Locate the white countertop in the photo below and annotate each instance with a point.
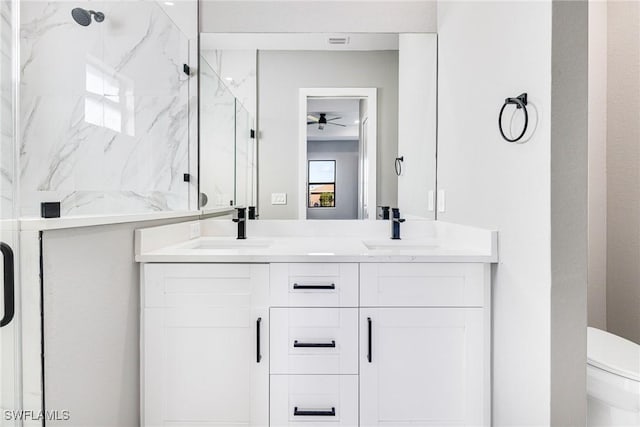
(213, 240)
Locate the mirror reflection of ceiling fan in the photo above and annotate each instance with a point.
(322, 121)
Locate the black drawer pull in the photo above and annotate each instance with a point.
(301, 413)
(258, 354)
(331, 344)
(370, 353)
(331, 286)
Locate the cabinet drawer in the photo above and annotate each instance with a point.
(193, 286)
(314, 285)
(310, 400)
(423, 285)
(314, 341)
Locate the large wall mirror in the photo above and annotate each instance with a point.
(319, 125)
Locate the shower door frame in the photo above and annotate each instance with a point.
(11, 372)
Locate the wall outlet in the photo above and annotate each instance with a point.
(278, 198)
(194, 230)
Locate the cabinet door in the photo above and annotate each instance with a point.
(205, 345)
(422, 367)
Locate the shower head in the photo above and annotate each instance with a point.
(83, 16)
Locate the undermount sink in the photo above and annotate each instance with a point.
(401, 245)
(230, 243)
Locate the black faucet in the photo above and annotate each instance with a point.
(252, 212)
(395, 224)
(241, 219)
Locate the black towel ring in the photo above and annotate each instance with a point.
(398, 165)
(520, 103)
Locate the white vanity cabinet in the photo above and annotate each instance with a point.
(205, 345)
(425, 344)
(341, 344)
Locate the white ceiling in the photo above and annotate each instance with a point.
(298, 41)
(347, 109)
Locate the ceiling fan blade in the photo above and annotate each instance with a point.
(337, 124)
(312, 123)
(335, 118)
(310, 117)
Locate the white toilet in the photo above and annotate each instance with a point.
(613, 380)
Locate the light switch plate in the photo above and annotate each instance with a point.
(431, 201)
(441, 201)
(278, 198)
(194, 230)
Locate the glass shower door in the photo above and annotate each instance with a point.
(217, 140)
(10, 330)
(242, 156)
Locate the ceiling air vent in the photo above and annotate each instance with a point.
(338, 40)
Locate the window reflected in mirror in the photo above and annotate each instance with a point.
(322, 184)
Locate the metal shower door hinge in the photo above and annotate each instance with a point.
(186, 69)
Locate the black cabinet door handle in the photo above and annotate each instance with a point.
(297, 286)
(9, 284)
(302, 413)
(369, 353)
(331, 344)
(258, 355)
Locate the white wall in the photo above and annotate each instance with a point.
(623, 169)
(280, 76)
(489, 51)
(390, 16)
(297, 41)
(417, 104)
(597, 297)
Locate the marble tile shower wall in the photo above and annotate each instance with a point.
(241, 66)
(7, 158)
(104, 109)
